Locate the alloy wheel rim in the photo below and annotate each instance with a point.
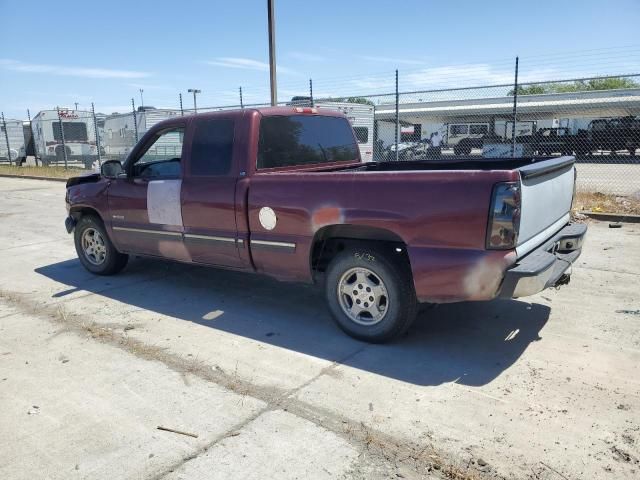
(363, 296)
(93, 246)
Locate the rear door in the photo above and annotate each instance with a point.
(144, 205)
(208, 193)
(546, 195)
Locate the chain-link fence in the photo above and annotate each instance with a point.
(597, 120)
(594, 119)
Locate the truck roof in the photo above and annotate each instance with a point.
(265, 111)
(270, 111)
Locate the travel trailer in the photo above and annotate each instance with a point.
(77, 130)
(119, 131)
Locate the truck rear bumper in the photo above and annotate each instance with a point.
(547, 266)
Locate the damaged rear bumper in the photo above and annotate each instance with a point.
(547, 266)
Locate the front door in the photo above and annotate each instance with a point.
(146, 216)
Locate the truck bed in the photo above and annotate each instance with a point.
(534, 163)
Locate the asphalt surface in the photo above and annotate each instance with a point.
(541, 388)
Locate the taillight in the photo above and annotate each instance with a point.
(504, 216)
(306, 110)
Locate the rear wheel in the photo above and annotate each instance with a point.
(370, 294)
(94, 248)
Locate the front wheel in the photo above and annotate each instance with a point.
(370, 294)
(94, 248)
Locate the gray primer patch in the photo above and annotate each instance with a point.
(163, 202)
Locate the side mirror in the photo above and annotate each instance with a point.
(111, 168)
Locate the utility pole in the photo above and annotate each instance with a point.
(141, 98)
(181, 109)
(76, 104)
(195, 91)
(271, 18)
(241, 102)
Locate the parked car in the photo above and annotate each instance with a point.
(283, 192)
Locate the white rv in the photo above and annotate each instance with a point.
(79, 136)
(119, 135)
(16, 141)
(361, 117)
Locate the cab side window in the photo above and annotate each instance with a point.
(162, 159)
(212, 147)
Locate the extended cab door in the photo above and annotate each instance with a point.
(144, 204)
(208, 192)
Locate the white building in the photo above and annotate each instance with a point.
(572, 110)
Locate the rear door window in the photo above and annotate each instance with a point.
(212, 147)
(288, 140)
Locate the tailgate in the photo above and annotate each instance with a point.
(546, 195)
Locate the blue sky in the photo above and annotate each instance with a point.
(58, 53)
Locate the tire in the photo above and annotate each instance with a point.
(104, 259)
(359, 269)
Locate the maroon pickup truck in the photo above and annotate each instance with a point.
(283, 192)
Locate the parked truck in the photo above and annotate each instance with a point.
(615, 134)
(283, 191)
(548, 141)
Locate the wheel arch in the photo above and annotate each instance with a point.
(79, 211)
(332, 239)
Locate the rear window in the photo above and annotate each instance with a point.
(305, 139)
(212, 147)
(362, 134)
(73, 131)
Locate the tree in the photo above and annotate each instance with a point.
(361, 100)
(613, 83)
(529, 90)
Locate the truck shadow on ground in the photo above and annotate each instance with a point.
(471, 343)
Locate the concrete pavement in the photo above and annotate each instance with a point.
(518, 389)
